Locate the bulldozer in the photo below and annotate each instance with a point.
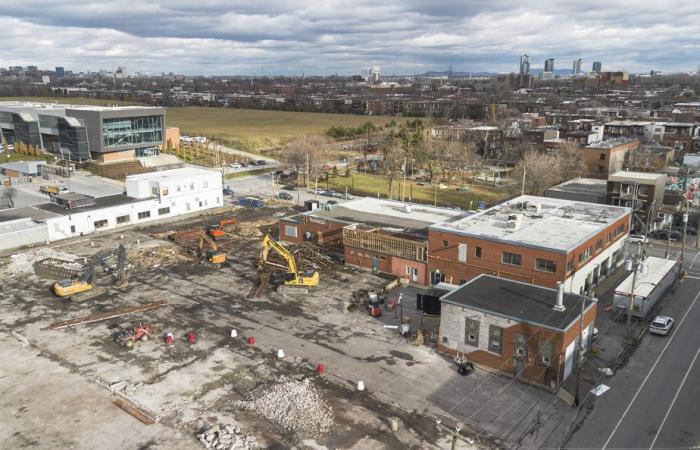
(82, 287)
(290, 281)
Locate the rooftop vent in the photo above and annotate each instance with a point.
(515, 221)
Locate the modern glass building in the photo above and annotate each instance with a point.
(79, 133)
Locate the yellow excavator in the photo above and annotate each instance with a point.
(82, 287)
(290, 281)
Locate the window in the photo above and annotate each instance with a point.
(599, 245)
(165, 191)
(511, 258)
(462, 281)
(462, 253)
(570, 266)
(445, 244)
(382, 257)
(545, 265)
(602, 156)
(144, 214)
(584, 255)
(163, 211)
(520, 345)
(123, 219)
(72, 228)
(290, 231)
(100, 223)
(218, 201)
(472, 332)
(206, 184)
(546, 353)
(495, 338)
(477, 252)
(191, 186)
(178, 188)
(125, 132)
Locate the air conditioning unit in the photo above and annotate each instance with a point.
(514, 221)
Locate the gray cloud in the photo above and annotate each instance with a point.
(403, 36)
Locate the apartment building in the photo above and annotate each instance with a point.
(680, 136)
(603, 158)
(536, 240)
(642, 190)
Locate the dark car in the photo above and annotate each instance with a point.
(285, 196)
(228, 191)
(692, 231)
(261, 162)
(330, 193)
(289, 187)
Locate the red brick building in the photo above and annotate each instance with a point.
(536, 240)
(604, 158)
(525, 331)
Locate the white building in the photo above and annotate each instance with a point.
(148, 198)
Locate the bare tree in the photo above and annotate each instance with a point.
(570, 161)
(8, 195)
(394, 157)
(540, 171)
(312, 149)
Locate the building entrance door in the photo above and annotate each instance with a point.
(375, 264)
(519, 367)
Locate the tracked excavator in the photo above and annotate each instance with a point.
(290, 281)
(82, 287)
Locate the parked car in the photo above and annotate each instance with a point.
(317, 191)
(331, 202)
(692, 231)
(228, 191)
(260, 162)
(661, 325)
(330, 193)
(236, 166)
(663, 235)
(285, 196)
(289, 187)
(349, 196)
(637, 239)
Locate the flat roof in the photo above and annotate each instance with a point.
(656, 270)
(582, 186)
(48, 106)
(26, 212)
(518, 301)
(100, 202)
(625, 175)
(22, 166)
(610, 143)
(388, 213)
(544, 222)
(171, 174)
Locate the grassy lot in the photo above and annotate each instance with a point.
(253, 129)
(14, 157)
(370, 185)
(245, 173)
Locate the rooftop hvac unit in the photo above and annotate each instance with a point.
(515, 221)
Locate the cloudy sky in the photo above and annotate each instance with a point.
(344, 36)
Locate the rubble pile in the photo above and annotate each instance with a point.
(295, 405)
(154, 256)
(226, 437)
(23, 263)
(307, 255)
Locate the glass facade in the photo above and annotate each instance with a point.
(132, 131)
(73, 140)
(26, 130)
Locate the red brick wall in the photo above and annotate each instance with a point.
(329, 234)
(390, 264)
(445, 259)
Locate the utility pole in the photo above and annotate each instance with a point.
(579, 363)
(522, 188)
(685, 231)
(635, 268)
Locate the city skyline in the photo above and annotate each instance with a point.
(218, 38)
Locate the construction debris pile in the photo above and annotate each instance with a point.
(295, 405)
(307, 256)
(154, 256)
(23, 263)
(252, 229)
(226, 437)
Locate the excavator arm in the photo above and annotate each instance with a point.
(270, 244)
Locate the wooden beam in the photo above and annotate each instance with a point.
(134, 410)
(104, 316)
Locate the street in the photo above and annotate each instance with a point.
(263, 186)
(653, 401)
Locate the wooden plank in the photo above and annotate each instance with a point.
(104, 316)
(135, 411)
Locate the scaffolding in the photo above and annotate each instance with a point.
(375, 240)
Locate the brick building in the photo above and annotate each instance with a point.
(603, 158)
(525, 331)
(384, 236)
(679, 135)
(536, 240)
(643, 190)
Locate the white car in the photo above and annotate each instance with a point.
(661, 325)
(236, 166)
(637, 239)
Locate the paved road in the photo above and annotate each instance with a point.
(654, 402)
(262, 185)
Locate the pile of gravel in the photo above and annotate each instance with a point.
(295, 405)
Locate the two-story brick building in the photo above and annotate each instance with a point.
(604, 158)
(536, 240)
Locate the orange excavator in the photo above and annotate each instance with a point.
(218, 230)
(203, 244)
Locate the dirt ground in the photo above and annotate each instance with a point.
(56, 386)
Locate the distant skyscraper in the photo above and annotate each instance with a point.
(549, 65)
(576, 71)
(597, 67)
(60, 72)
(524, 65)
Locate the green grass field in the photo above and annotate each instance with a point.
(248, 129)
(14, 157)
(253, 129)
(370, 185)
